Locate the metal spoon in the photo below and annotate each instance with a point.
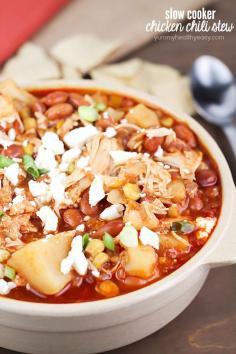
(214, 92)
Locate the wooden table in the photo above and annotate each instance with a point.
(208, 325)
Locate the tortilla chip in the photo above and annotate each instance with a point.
(176, 94)
(68, 72)
(125, 70)
(30, 64)
(83, 51)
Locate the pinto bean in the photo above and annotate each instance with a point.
(59, 111)
(77, 100)
(206, 178)
(196, 204)
(13, 151)
(86, 208)
(55, 98)
(112, 227)
(151, 144)
(72, 217)
(39, 107)
(185, 134)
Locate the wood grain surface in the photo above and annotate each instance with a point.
(208, 325)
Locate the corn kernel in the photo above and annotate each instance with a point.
(167, 122)
(60, 124)
(94, 247)
(173, 211)
(71, 167)
(29, 149)
(4, 255)
(100, 259)
(25, 113)
(2, 271)
(107, 288)
(132, 191)
(29, 123)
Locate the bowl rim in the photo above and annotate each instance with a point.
(102, 306)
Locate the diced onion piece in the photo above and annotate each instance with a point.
(128, 236)
(88, 113)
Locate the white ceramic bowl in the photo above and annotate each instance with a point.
(107, 324)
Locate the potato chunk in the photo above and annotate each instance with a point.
(39, 263)
(177, 190)
(140, 261)
(142, 116)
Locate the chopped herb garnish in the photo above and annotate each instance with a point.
(1, 213)
(31, 168)
(5, 161)
(100, 106)
(9, 272)
(183, 226)
(108, 241)
(85, 240)
(88, 113)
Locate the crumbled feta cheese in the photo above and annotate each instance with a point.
(57, 187)
(114, 211)
(5, 142)
(146, 155)
(45, 159)
(68, 157)
(158, 132)
(206, 224)
(96, 190)
(123, 121)
(80, 228)
(12, 173)
(159, 153)
(18, 199)
(79, 136)
(143, 195)
(48, 217)
(6, 287)
(148, 237)
(82, 162)
(128, 237)
(76, 258)
(19, 191)
(120, 156)
(40, 190)
(52, 142)
(110, 132)
(12, 134)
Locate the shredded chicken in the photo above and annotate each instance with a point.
(99, 153)
(187, 162)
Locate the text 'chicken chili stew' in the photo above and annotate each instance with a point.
(100, 194)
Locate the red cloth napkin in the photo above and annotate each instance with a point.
(19, 19)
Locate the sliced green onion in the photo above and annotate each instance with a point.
(100, 106)
(9, 272)
(183, 226)
(5, 161)
(31, 168)
(109, 242)
(88, 113)
(1, 213)
(85, 240)
(42, 171)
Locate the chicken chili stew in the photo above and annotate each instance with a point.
(100, 194)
